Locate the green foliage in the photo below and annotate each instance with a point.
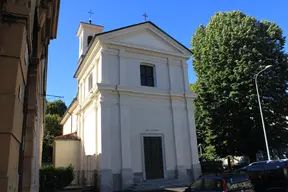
(56, 107)
(52, 129)
(203, 133)
(54, 111)
(209, 153)
(227, 53)
(52, 178)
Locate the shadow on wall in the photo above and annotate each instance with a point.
(68, 152)
(88, 175)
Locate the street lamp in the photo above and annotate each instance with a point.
(260, 108)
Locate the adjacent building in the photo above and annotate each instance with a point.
(26, 28)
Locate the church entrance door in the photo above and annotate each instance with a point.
(153, 157)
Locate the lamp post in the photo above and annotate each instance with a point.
(200, 149)
(260, 108)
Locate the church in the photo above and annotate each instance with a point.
(133, 117)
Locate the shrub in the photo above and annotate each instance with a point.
(54, 178)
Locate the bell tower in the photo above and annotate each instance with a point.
(85, 33)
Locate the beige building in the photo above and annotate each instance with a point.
(26, 27)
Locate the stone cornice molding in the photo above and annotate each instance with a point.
(125, 92)
(184, 64)
(167, 53)
(143, 91)
(151, 28)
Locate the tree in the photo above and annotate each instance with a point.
(204, 136)
(54, 111)
(56, 107)
(227, 53)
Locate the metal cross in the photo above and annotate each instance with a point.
(90, 13)
(145, 16)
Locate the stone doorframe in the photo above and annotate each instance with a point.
(142, 135)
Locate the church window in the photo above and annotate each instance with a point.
(89, 39)
(147, 75)
(90, 81)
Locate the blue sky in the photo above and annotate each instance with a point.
(178, 18)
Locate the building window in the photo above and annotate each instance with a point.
(90, 81)
(147, 75)
(89, 39)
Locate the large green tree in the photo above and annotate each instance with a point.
(227, 53)
(54, 112)
(56, 107)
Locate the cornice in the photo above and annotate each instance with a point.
(162, 52)
(144, 91)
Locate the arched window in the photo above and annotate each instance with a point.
(89, 39)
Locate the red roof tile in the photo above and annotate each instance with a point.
(70, 136)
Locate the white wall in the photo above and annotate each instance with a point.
(70, 156)
(89, 130)
(113, 59)
(146, 116)
(150, 116)
(67, 126)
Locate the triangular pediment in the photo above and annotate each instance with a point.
(146, 37)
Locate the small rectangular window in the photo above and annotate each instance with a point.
(90, 81)
(147, 75)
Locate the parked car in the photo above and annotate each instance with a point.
(238, 165)
(224, 182)
(277, 189)
(266, 175)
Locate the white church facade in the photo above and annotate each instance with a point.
(133, 114)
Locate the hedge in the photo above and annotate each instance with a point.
(55, 178)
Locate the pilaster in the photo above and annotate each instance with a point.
(31, 125)
(178, 138)
(103, 124)
(171, 76)
(177, 128)
(126, 171)
(185, 76)
(95, 158)
(104, 146)
(122, 68)
(95, 71)
(195, 164)
(82, 140)
(104, 65)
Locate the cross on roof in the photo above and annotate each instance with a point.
(90, 13)
(145, 16)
